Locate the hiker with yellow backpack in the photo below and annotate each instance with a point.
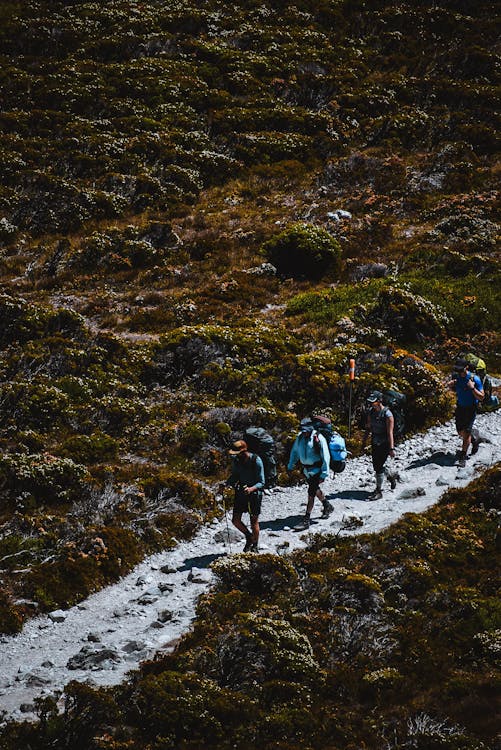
(469, 392)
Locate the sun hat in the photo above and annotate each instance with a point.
(239, 446)
(460, 365)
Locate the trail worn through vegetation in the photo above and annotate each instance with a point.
(110, 633)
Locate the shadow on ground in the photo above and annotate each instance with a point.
(203, 561)
(440, 458)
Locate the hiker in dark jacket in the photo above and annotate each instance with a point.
(247, 477)
(379, 426)
(469, 391)
(310, 449)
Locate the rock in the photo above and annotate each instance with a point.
(200, 575)
(165, 587)
(225, 535)
(121, 611)
(442, 482)
(89, 657)
(143, 581)
(27, 708)
(165, 615)
(168, 569)
(411, 493)
(147, 599)
(94, 638)
(35, 680)
(47, 664)
(156, 625)
(58, 615)
(131, 646)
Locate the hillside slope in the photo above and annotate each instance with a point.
(205, 211)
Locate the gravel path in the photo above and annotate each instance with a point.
(110, 633)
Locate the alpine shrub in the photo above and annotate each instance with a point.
(303, 251)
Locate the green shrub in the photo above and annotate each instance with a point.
(303, 251)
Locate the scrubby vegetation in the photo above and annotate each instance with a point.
(205, 210)
(388, 640)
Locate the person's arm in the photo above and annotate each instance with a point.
(294, 456)
(451, 384)
(475, 385)
(390, 423)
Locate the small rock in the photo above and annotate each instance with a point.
(94, 638)
(156, 625)
(58, 615)
(147, 599)
(199, 575)
(27, 708)
(167, 569)
(442, 482)
(47, 664)
(163, 587)
(411, 493)
(131, 646)
(165, 615)
(90, 658)
(225, 535)
(35, 680)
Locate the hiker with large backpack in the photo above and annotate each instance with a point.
(469, 392)
(380, 424)
(477, 366)
(311, 450)
(247, 478)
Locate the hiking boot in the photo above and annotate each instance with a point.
(328, 508)
(304, 524)
(393, 481)
(376, 495)
(462, 460)
(253, 547)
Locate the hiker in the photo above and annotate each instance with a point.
(469, 391)
(310, 449)
(247, 477)
(380, 423)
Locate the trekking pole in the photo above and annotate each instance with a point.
(226, 519)
(352, 378)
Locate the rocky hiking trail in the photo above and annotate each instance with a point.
(111, 632)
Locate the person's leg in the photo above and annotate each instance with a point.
(379, 455)
(239, 507)
(254, 522)
(239, 524)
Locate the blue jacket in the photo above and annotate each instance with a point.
(465, 396)
(312, 460)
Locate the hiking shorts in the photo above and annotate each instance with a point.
(314, 483)
(250, 504)
(465, 416)
(380, 452)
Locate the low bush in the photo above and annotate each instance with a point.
(304, 251)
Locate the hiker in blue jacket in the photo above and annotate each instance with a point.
(469, 391)
(310, 449)
(247, 477)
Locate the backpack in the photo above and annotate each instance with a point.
(395, 401)
(477, 365)
(336, 443)
(261, 442)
